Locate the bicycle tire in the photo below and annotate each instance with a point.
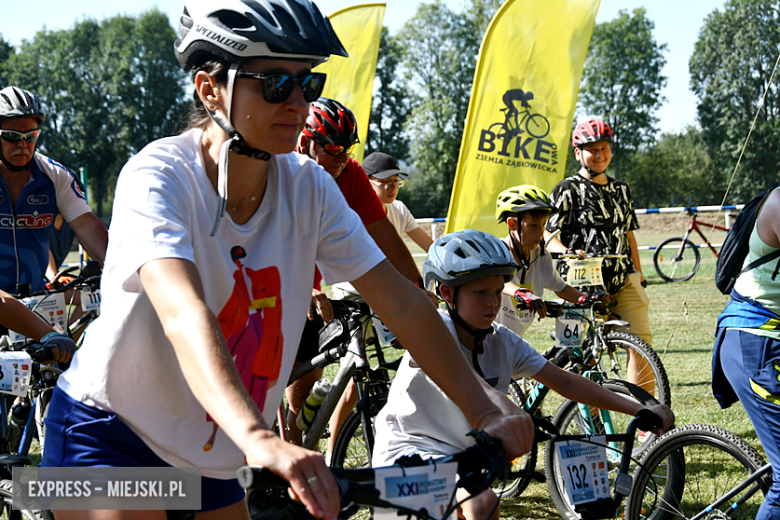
(693, 465)
(678, 266)
(617, 346)
(514, 488)
(8, 513)
(349, 450)
(568, 421)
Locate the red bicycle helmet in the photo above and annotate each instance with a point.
(591, 131)
(330, 122)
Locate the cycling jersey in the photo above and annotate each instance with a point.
(25, 228)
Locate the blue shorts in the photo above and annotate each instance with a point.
(78, 435)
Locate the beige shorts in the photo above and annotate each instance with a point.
(632, 305)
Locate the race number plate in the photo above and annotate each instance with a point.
(15, 369)
(585, 272)
(430, 487)
(570, 329)
(584, 469)
(90, 300)
(386, 338)
(51, 308)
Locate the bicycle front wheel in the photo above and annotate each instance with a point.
(8, 513)
(570, 421)
(689, 468)
(613, 357)
(513, 488)
(676, 260)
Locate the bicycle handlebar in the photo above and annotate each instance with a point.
(478, 467)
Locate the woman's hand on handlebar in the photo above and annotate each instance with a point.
(321, 304)
(310, 480)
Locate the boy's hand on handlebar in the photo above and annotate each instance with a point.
(310, 480)
(516, 431)
(61, 346)
(527, 300)
(667, 417)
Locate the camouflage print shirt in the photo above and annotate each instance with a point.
(595, 218)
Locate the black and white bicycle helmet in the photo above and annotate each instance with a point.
(235, 31)
(17, 102)
(466, 255)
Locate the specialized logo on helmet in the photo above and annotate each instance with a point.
(518, 140)
(222, 40)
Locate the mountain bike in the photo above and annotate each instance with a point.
(593, 351)
(16, 434)
(355, 337)
(682, 257)
(478, 467)
(699, 472)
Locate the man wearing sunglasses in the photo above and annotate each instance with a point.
(33, 191)
(329, 136)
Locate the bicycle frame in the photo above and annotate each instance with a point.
(694, 226)
(737, 489)
(354, 366)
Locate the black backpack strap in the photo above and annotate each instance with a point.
(761, 261)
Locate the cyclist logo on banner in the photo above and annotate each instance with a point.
(251, 322)
(519, 137)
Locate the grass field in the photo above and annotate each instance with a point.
(683, 317)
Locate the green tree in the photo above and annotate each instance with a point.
(440, 53)
(108, 89)
(677, 170)
(622, 80)
(730, 69)
(6, 50)
(390, 103)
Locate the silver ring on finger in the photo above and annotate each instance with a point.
(312, 480)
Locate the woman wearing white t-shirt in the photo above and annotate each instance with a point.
(205, 279)
(387, 178)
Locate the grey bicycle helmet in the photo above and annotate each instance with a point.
(466, 255)
(246, 29)
(17, 102)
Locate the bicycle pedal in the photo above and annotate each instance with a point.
(326, 434)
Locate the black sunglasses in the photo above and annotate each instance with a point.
(277, 88)
(12, 136)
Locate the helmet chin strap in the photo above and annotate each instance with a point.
(13, 168)
(479, 334)
(592, 172)
(235, 144)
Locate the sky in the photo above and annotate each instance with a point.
(677, 24)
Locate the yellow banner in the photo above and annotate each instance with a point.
(351, 80)
(518, 127)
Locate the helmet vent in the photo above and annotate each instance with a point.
(231, 21)
(460, 253)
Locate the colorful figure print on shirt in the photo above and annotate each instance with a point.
(251, 322)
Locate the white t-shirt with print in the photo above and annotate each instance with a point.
(541, 275)
(420, 418)
(400, 217)
(256, 278)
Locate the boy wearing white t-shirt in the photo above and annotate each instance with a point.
(525, 210)
(468, 269)
(387, 178)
